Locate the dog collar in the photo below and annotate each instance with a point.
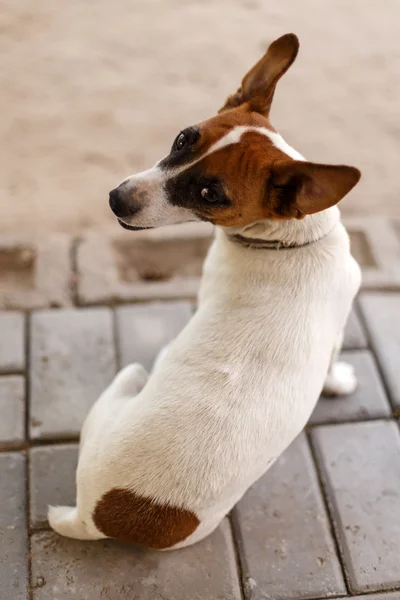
(259, 244)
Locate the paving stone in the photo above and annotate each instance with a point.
(12, 347)
(354, 335)
(283, 533)
(35, 273)
(144, 329)
(382, 316)
(369, 401)
(375, 246)
(64, 569)
(361, 469)
(12, 411)
(52, 480)
(72, 361)
(387, 596)
(13, 532)
(160, 264)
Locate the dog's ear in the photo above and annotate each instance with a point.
(298, 188)
(258, 86)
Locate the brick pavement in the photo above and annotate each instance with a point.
(323, 522)
(165, 264)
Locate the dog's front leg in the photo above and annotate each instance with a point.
(341, 379)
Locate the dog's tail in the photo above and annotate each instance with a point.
(66, 521)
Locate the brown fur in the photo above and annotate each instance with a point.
(245, 171)
(261, 181)
(128, 517)
(258, 85)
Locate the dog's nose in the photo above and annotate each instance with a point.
(118, 204)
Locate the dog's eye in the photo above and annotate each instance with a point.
(180, 142)
(210, 194)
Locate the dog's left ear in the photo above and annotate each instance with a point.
(258, 86)
(299, 188)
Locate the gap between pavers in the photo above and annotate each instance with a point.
(106, 569)
(369, 401)
(381, 312)
(360, 466)
(13, 528)
(283, 533)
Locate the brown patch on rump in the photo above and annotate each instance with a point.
(128, 517)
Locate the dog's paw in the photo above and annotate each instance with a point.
(341, 380)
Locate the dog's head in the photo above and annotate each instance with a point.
(234, 169)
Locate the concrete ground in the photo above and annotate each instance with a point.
(324, 522)
(91, 91)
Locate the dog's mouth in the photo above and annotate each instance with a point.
(131, 227)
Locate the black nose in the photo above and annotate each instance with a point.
(118, 205)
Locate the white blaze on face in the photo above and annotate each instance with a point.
(148, 187)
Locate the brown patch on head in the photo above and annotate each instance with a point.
(253, 180)
(129, 517)
(241, 170)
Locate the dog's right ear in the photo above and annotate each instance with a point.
(300, 188)
(258, 86)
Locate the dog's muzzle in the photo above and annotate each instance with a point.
(122, 205)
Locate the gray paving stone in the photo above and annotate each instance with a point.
(65, 569)
(143, 329)
(283, 533)
(361, 469)
(382, 316)
(387, 596)
(369, 401)
(72, 361)
(36, 272)
(155, 264)
(12, 411)
(377, 249)
(52, 480)
(12, 347)
(13, 532)
(354, 335)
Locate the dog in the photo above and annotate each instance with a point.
(164, 457)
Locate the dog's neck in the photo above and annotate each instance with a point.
(295, 233)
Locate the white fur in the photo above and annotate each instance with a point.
(236, 386)
(281, 144)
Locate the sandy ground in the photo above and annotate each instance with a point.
(92, 90)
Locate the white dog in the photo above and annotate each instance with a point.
(165, 457)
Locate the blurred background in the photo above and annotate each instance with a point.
(93, 90)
